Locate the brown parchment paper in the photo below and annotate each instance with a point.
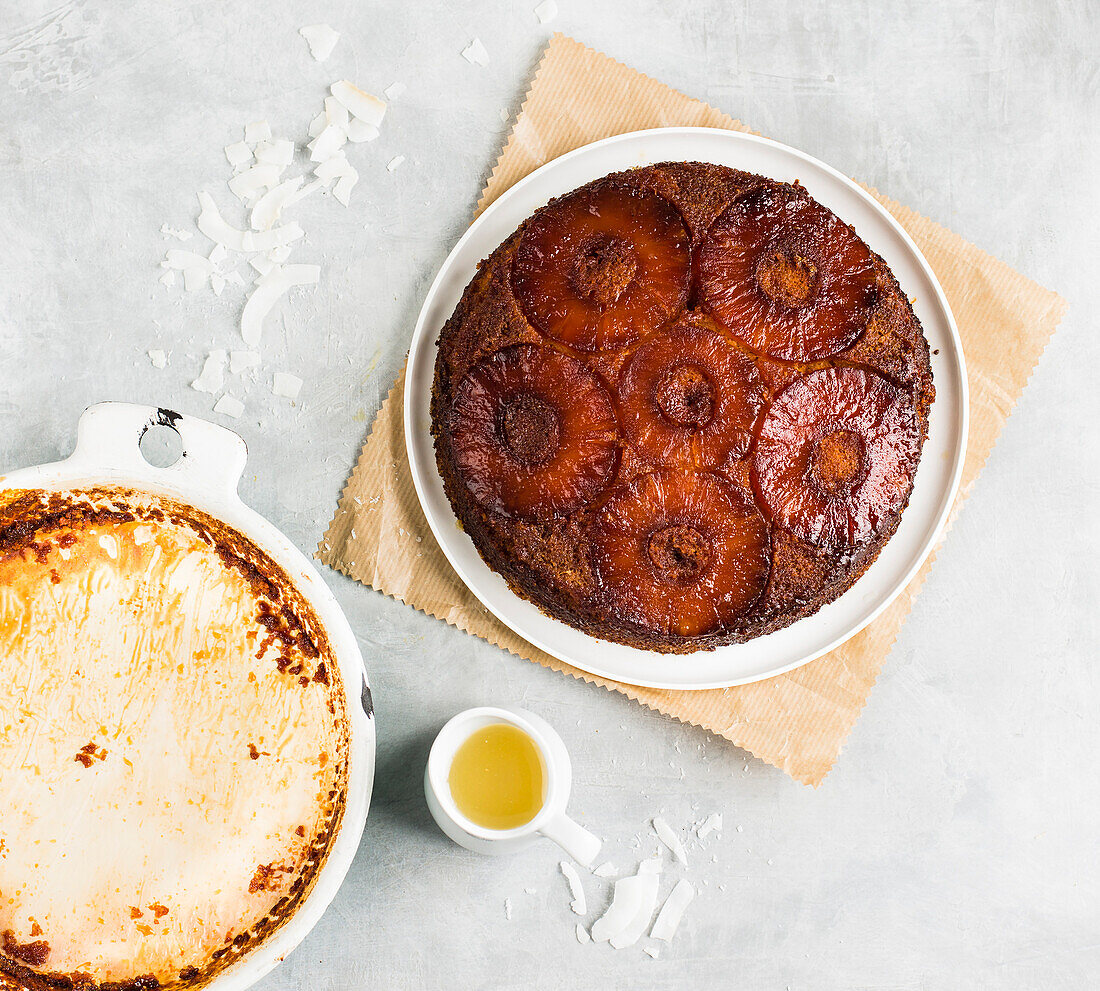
(797, 721)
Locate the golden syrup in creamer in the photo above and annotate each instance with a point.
(497, 777)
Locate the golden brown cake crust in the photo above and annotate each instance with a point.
(549, 559)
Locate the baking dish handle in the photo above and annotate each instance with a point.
(109, 434)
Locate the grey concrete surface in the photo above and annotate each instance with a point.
(955, 843)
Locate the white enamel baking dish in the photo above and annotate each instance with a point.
(206, 477)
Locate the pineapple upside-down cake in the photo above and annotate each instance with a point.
(681, 406)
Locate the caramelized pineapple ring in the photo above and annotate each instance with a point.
(602, 267)
(534, 433)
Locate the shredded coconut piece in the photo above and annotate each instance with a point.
(238, 153)
(631, 908)
(366, 107)
(234, 278)
(672, 911)
(158, 358)
(213, 371)
(394, 163)
(317, 125)
(169, 278)
(176, 232)
(210, 222)
(394, 90)
(504, 115)
(302, 193)
(273, 284)
(251, 181)
(195, 279)
(344, 185)
(604, 870)
(270, 205)
(582, 934)
(653, 951)
(508, 909)
(229, 406)
(359, 131)
(217, 283)
(321, 40)
(475, 53)
(336, 113)
(712, 824)
(327, 143)
(546, 11)
(288, 386)
(179, 259)
(578, 905)
(279, 152)
(239, 361)
(257, 131)
(669, 838)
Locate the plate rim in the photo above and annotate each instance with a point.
(422, 341)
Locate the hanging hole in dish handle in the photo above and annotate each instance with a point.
(110, 435)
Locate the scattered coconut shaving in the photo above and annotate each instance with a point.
(631, 908)
(227, 405)
(712, 824)
(360, 131)
(668, 919)
(195, 279)
(507, 903)
(582, 934)
(286, 385)
(367, 108)
(210, 222)
(277, 281)
(578, 905)
(270, 205)
(240, 361)
(321, 40)
(327, 143)
(212, 374)
(394, 90)
(604, 870)
(238, 154)
(158, 358)
(176, 232)
(475, 53)
(653, 951)
(667, 835)
(546, 11)
(394, 163)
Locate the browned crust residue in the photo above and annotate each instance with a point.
(33, 523)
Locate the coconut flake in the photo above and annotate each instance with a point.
(238, 154)
(508, 909)
(272, 285)
(332, 168)
(234, 278)
(251, 181)
(336, 113)
(158, 358)
(327, 144)
(321, 40)
(653, 951)
(176, 232)
(394, 163)
(239, 361)
(179, 259)
(195, 279)
(261, 264)
(394, 90)
(366, 107)
(669, 838)
(270, 205)
(578, 904)
(257, 131)
(288, 386)
(359, 131)
(546, 11)
(672, 911)
(629, 913)
(217, 283)
(344, 185)
(582, 934)
(318, 124)
(229, 406)
(712, 824)
(210, 222)
(475, 53)
(218, 254)
(279, 152)
(604, 870)
(213, 371)
(169, 278)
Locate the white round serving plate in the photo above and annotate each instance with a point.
(937, 478)
(205, 477)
